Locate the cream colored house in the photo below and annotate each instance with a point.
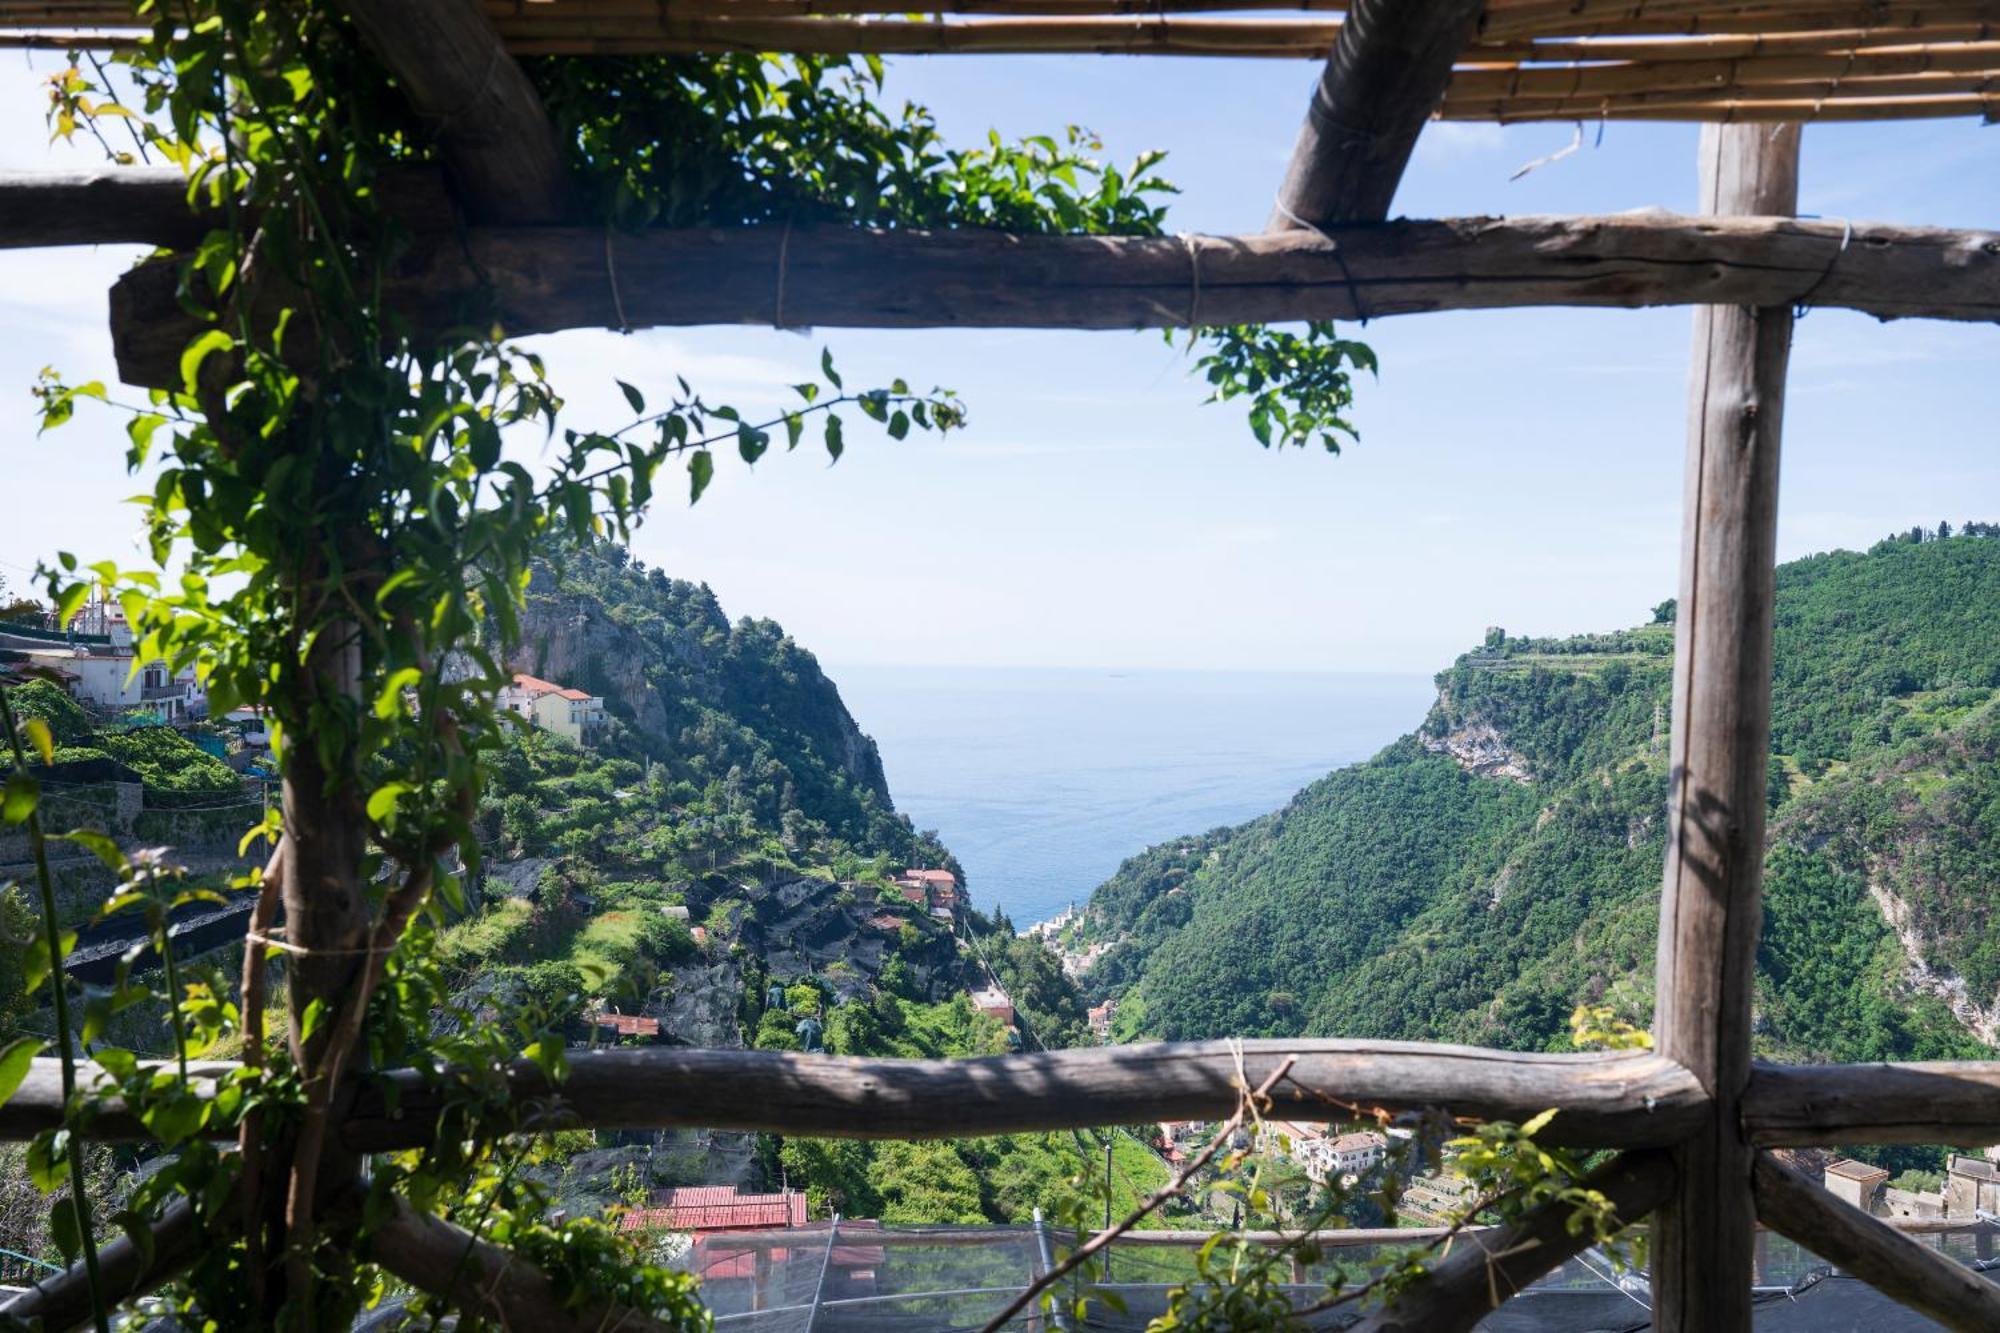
(568, 713)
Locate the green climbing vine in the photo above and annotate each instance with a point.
(340, 522)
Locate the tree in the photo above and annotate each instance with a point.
(1664, 613)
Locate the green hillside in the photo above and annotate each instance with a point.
(1480, 877)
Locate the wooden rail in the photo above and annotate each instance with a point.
(546, 279)
(1606, 1099)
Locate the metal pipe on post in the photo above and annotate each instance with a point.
(1709, 905)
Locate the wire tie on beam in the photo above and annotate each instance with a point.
(611, 277)
(1339, 257)
(1192, 244)
(1803, 306)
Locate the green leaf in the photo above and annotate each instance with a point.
(1538, 1124)
(174, 1119)
(899, 425)
(198, 351)
(390, 702)
(44, 743)
(826, 366)
(701, 471)
(35, 967)
(382, 801)
(19, 799)
(65, 1230)
(15, 1062)
(309, 1021)
(834, 442)
(632, 396)
(100, 846)
(46, 1160)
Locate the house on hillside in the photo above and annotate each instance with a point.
(568, 713)
(626, 1027)
(993, 1002)
(1357, 1154)
(701, 1208)
(1100, 1019)
(1857, 1183)
(937, 890)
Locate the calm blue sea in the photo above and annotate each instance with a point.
(1042, 781)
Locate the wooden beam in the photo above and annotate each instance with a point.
(546, 279)
(492, 130)
(1387, 74)
(62, 1302)
(485, 1281)
(1605, 1100)
(1892, 1263)
(151, 206)
(1709, 905)
(1485, 1268)
(1806, 1105)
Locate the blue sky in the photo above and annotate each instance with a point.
(1515, 468)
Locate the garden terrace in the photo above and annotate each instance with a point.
(1695, 1118)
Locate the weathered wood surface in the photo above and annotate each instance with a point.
(495, 136)
(547, 279)
(1892, 1263)
(61, 1301)
(1710, 906)
(1606, 1100)
(1487, 1267)
(483, 1280)
(1386, 75)
(1937, 1102)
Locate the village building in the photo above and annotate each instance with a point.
(1856, 1183)
(626, 1027)
(1971, 1186)
(1100, 1019)
(1359, 1153)
(702, 1208)
(994, 1003)
(937, 890)
(569, 713)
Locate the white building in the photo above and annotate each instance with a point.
(552, 707)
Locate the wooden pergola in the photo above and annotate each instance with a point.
(1693, 1119)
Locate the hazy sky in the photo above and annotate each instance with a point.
(1515, 468)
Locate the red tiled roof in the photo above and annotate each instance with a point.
(628, 1025)
(574, 694)
(694, 1196)
(522, 680)
(741, 1212)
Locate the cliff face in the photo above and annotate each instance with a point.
(742, 703)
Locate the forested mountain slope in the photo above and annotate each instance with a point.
(1480, 877)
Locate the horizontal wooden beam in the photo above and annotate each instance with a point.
(1604, 1096)
(1486, 1268)
(1605, 1100)
(1796, 1106)
(151, 206)
(1892, 1263)
(547, 279)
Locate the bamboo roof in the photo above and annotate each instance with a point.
(1690, 60)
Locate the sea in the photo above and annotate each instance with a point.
(1042, 781)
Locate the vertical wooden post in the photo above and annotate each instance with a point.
(1709, 908)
